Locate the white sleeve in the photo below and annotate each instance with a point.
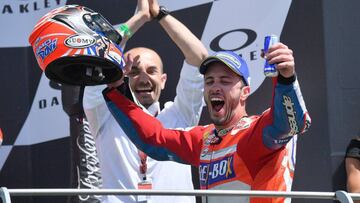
(189, 95)
(95, 108)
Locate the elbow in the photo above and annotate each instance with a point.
(298, 126)
(202, 56)
(197, 59)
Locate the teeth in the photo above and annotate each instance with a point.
(144, 89)
(216, 99)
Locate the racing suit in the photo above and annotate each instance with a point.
(258, 153)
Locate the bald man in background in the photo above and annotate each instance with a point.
(122, 165)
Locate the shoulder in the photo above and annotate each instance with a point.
(353, 149)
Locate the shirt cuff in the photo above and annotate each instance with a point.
(286, 81)
(191, 72)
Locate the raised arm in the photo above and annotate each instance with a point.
(192, 48)
(288, 115)
(134, 23)
(93, 102)
(149, 135)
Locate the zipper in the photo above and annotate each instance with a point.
(208, 171)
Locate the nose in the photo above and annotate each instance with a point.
(215, 88)
(143, 76)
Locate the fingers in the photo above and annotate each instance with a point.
(276, 50)
(154, 8)
(285, 66)
(282, 56)
(279, 56)
(143, 6)
(129, 63)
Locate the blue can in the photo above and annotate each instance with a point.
(270, 69)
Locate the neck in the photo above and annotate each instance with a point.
(236, 118)
(154, 108)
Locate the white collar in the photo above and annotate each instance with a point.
(154, 108)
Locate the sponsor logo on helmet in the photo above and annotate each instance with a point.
(116, 58)
(46, 48)
(79, 41)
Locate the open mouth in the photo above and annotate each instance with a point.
(144, 90)
(217, 104)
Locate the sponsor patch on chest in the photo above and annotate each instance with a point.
(216, 171)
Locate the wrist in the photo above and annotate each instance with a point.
(144, 16)
(124, 31)
(286, 80)
(287, 74)
(161, 13)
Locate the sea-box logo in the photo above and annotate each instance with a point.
(79, 41)
(46, 48)
(217, 171)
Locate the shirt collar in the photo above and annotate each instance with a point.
(154, 108)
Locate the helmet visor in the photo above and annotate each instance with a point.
(100, 25)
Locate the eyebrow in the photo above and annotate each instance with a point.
(156, 68)
(153, 67)
(221, 77)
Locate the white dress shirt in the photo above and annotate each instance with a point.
(119, 159)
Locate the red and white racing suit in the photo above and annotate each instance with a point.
(258, 153)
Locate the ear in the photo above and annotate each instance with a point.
(163, 80)
(245, 93)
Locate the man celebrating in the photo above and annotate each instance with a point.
(236, 151)
(122, 165)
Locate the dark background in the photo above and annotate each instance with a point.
(324, 37)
